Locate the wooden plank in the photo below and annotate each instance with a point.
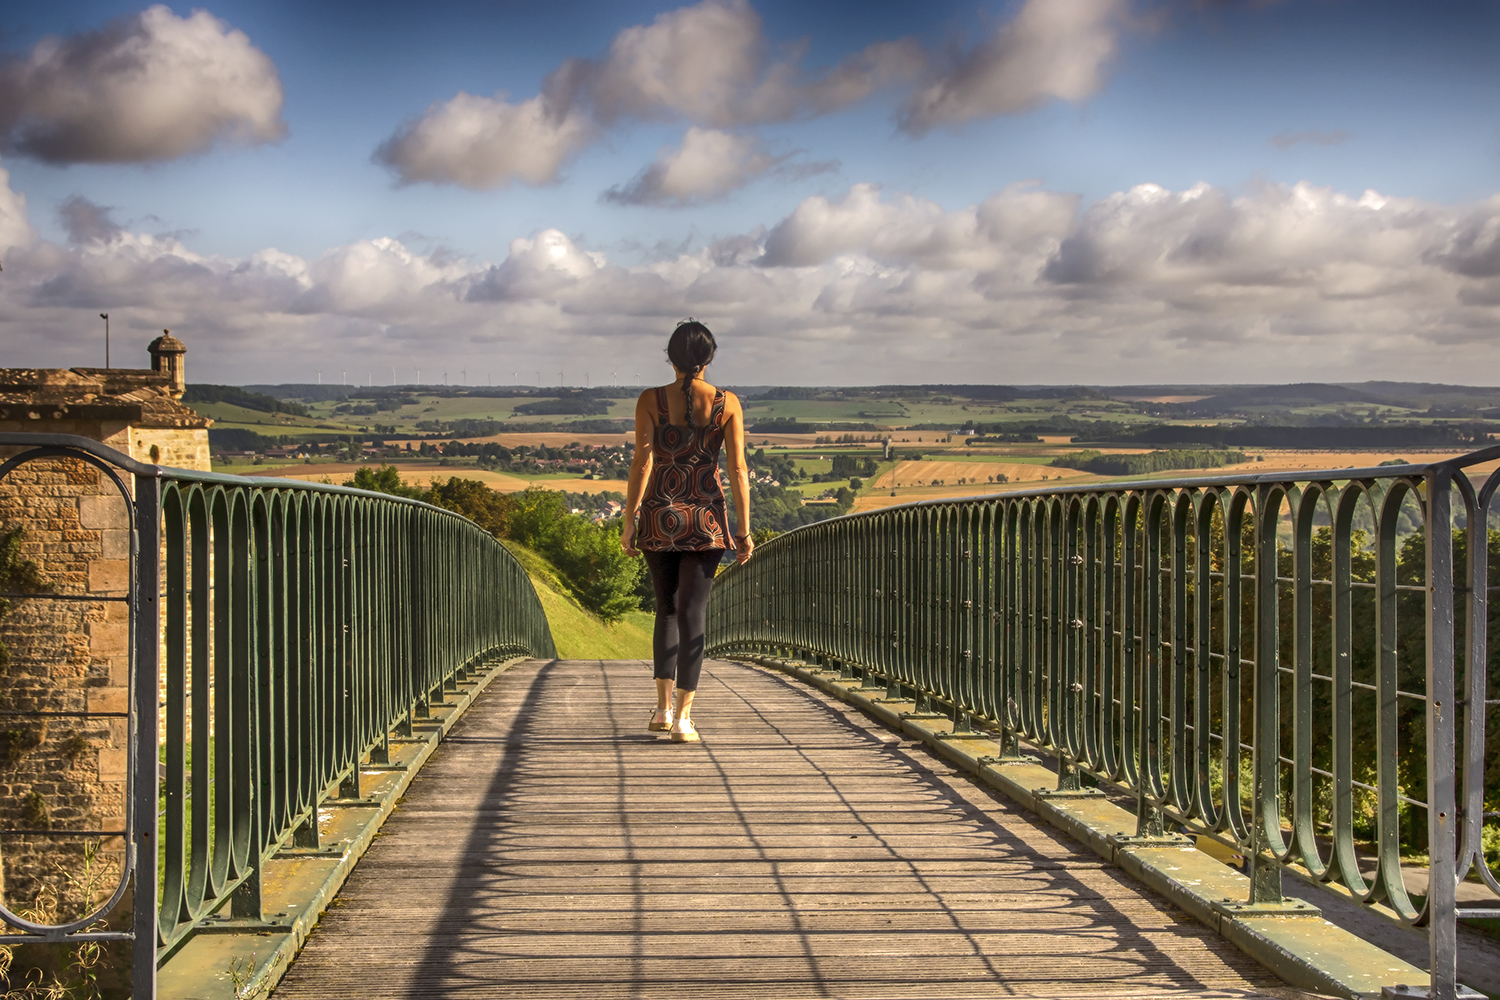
(554, 847)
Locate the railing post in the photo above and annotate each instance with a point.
(1265, 873)
(1442, 901)
(144, 619)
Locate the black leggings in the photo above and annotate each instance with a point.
(682, 581)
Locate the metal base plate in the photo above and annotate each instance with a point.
(1403, 992)
(1167, 840)
(990, 761)
(1067, 793)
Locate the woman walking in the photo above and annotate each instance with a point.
(684, 529)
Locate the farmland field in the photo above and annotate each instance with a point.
(936, 456)
(424, 473)
(950, 472)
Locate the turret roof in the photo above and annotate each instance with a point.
(166, 344)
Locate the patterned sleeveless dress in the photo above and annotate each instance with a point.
(683, 509)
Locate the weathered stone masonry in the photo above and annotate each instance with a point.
(69, 773)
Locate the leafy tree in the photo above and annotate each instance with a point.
(386, 479)
(601, 576)
(473, 499)
(587, 555)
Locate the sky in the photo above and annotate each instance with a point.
(1004, 191)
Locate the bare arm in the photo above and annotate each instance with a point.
(640, 469)
(739, 473)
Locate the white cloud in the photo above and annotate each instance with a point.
(1053, 49)
(708, 165)
(1028, 285)
(150, 87)
(537, 268)
(1473, 244)
(698, 62)
(1274, 240)
(707, 64)
(15, 222)
(1018, 227)
(486, 142)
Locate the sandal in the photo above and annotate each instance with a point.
(662, 726)
(683, 731)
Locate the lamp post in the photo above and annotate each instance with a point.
(105, 317)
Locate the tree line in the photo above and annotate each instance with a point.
(586, 554)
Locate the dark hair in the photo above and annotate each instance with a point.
(691, 348)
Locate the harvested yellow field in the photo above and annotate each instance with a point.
(1296, 462)
(426, 473)
(578, 485)
(912, 494)
(551, 439)
(502, 483)
(949, 473)
(1293, 461)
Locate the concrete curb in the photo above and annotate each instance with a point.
(1291, 939)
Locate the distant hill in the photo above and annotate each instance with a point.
(1426, 394)
(1296, 394)
(312, 393)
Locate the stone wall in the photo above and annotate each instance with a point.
(182, 448)
(63, 773)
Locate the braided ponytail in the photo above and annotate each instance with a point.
(687, 392)
(691, 348)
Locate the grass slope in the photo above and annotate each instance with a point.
(578, 634)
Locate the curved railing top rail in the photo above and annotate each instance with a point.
(1172, 483)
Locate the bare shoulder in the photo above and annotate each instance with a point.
(731, 403)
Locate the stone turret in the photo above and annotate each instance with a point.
(167, 354)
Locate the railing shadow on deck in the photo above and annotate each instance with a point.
(482, 926)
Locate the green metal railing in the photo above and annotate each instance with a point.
(1292, 664)
(282, 631)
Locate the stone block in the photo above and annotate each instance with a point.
(116, 544)
(108, 699)
(103, 510)
(113, 764)
(109, 638)
(109, 574)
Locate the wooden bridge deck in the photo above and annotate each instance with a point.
(554, 848)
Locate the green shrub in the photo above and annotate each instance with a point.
(594, 570)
